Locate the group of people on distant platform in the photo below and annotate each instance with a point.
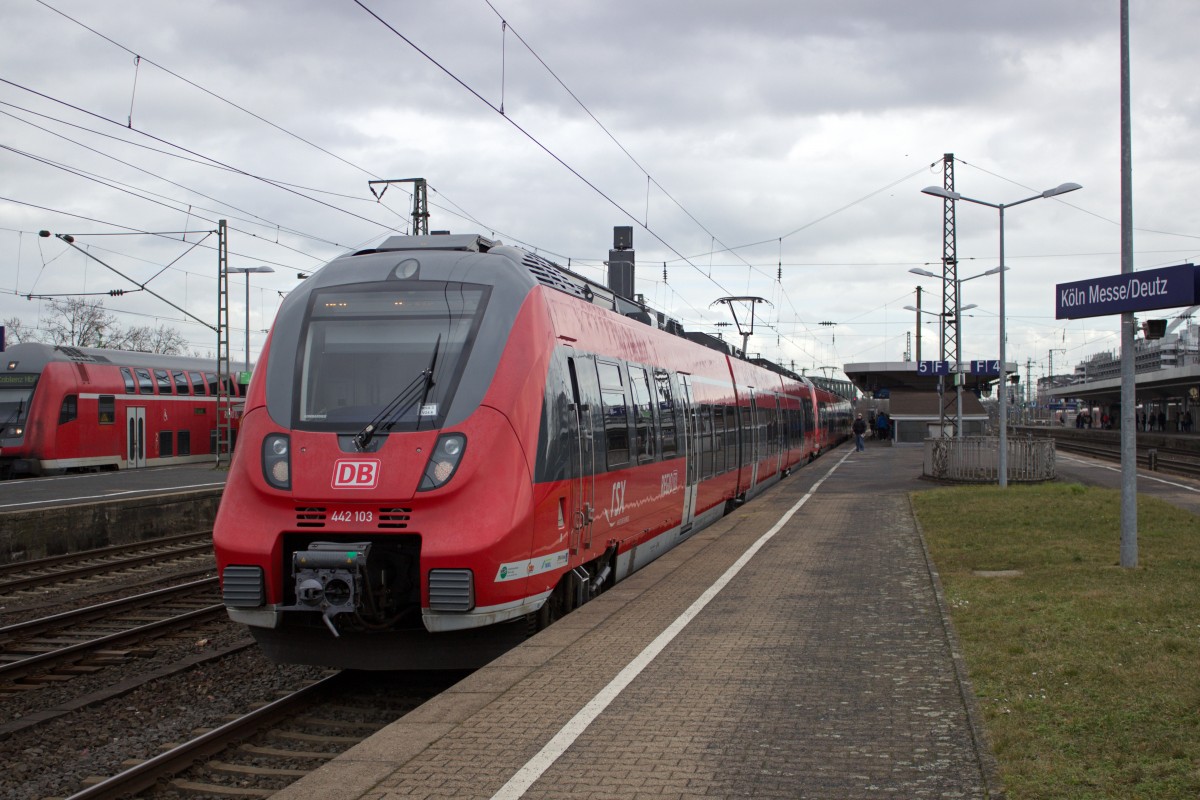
(1157, 421)
(1144, 421)
(1153, 421)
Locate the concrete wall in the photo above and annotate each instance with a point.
(26, 535)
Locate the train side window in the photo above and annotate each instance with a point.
(106, 406)
(69, 410)
(211, 379)
(704, 429)
(165, 441)
(643, 416)
(197, 382)
(616, 416)
(731, 436)
(719, 439)
(163, 379)
(184, 438)
(145, 382)
(127, 376)
(747, 436)
(666, 413)
(616, 428)
(181, 383)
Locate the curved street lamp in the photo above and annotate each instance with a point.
(946, 194)
(246, 271)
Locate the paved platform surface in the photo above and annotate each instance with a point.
(25, 494)
(824, 668)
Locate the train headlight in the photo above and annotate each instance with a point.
(443, 461)
(277, 460)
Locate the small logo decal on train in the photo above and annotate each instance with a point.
(356, 474)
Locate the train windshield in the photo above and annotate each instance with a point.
(365, 347)
(14, 401)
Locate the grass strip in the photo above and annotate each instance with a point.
(1088, 674)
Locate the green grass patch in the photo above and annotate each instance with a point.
(1088, 674)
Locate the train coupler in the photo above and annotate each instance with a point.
(329, 579)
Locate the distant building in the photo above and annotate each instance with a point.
(1180, 349)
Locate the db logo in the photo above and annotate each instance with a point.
(356, 474)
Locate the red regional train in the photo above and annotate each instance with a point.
(69, 409)
(450, 442)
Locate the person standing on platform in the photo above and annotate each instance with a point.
(881, 427)
(860, 429)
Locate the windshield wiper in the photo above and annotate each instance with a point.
(401, 403)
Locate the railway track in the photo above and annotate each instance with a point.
(1157, 459)
(265, 750)
(42, 572)
(88, 639)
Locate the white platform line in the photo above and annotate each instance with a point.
(566, 736)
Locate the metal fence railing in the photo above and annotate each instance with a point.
(975, 459)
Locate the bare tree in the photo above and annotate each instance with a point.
(77, 322)
(162, 339)
(16, 331)
(80, 323)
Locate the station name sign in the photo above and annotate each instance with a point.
(1169, 287)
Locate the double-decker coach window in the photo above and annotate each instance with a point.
(197, 382)
(181, 383)
(69, 410)
(366, 352)
(145, 383)
(163, 379)
(127, 376)
(106, 406)
(211, 379)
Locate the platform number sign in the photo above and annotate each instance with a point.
(990, 367)
(933, 367)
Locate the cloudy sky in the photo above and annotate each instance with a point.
(743, 141)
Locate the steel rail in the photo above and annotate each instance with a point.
(149, 773)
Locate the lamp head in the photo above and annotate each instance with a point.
(938, 191)
(1062, 188)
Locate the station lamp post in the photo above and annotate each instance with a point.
(945, 194)
(958, 282)
(246, 271)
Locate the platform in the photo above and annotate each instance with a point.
(797, 648)
(49, 516)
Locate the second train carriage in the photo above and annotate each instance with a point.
(76, 408)
(449, 440)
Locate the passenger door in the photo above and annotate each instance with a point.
(135, 437)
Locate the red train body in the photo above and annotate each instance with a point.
(71, 408)
(450, 441)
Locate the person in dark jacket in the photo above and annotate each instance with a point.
(881, 427)
(860, 428)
